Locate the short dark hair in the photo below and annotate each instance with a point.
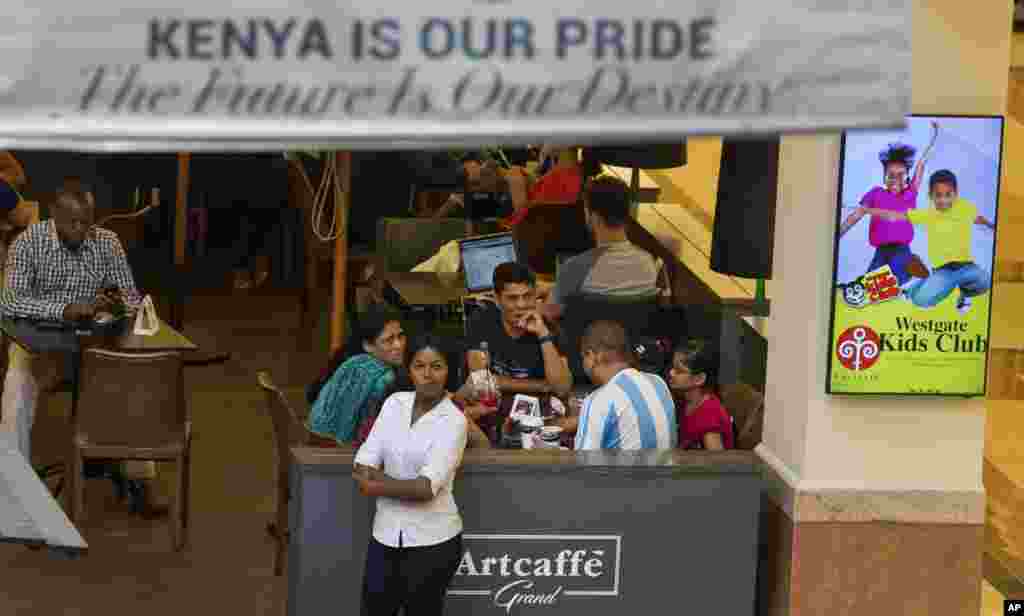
(608, 196)
(75, 183)
(370, 324)
(73, 189)
(942, 176)
(607, 337)
(425, 341)
(701, 357)
(899, 153)
(512, 273)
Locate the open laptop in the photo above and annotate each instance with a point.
(481, 255)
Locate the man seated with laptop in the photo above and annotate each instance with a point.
(57, 271)
(524, 355)
(476, 258)
(481, 255)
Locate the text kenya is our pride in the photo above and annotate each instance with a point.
(437, 38)
(610, 87)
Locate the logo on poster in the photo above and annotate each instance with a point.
(513, 571)
(873, 288)
(858, 348)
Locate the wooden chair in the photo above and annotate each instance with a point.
(132, 407)
(746, 405)
(289, 431)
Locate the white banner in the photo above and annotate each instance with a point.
(143, 74)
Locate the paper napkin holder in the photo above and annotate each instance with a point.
(146, 322)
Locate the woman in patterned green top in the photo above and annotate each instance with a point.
(344, 402)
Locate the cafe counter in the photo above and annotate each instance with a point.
(549, 531)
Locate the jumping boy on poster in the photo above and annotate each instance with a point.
(949, 225)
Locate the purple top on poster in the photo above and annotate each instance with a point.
(890, 231)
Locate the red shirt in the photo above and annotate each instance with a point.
(708, 418)
(560, 185)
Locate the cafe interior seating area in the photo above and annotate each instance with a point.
(255, 296)
(276, 329)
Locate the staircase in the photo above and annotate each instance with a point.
(1006, 354)
(722, 306)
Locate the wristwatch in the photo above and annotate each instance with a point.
(548, 338)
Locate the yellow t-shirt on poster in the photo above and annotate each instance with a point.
(949, 231)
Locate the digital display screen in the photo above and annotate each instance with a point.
(914, 251)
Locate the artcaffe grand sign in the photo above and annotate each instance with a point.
(509, 572)
(160, 74)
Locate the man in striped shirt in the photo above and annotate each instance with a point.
(630, 409)
(56, 270)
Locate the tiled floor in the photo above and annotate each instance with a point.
(226, 568)
(130, 568)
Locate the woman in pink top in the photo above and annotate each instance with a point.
(693, 378)
(892, 238)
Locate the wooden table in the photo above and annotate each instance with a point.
(32, 338)
(428, 288)
(28, 513)
(27, 334)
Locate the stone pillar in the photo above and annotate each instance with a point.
(875, 504)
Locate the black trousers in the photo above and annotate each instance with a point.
(415, 579)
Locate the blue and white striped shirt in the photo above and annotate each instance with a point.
(632, 411)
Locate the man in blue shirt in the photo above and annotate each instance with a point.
(630, 409)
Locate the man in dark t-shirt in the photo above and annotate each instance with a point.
(524, 355)
(514, 358)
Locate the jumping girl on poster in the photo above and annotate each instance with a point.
(949, 225)
(891, 238)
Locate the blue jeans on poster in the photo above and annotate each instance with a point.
(971, 279)
(896, 256)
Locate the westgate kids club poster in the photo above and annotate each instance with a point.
(914, 252)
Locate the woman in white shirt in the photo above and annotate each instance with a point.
(419, 438)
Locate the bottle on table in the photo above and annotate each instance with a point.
(487, 393)
(487, 386)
